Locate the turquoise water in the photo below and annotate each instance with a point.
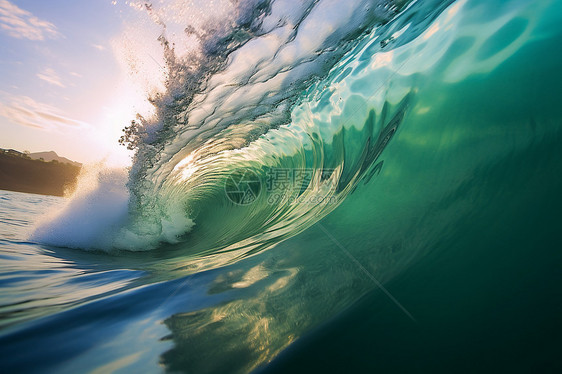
(389, 202)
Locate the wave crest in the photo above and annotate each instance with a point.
(305, 88)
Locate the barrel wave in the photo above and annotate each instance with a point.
(306, 92)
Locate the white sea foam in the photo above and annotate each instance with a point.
(92, 216)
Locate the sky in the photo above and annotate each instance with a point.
(64, 85)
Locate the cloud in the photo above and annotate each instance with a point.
(21, 24)
(25, 111)
(98, 47)
(51, 76)
(75, 74)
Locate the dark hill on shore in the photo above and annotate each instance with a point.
(19, 172)
(52, 155)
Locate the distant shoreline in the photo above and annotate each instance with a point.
(20, 173)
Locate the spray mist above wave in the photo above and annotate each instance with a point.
(263, 86)
(244, 73)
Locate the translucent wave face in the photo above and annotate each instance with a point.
(243, 81)
(242, 98)
(258, 81)
(271, 87)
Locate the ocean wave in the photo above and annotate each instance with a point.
(270, 120)
(281, 102)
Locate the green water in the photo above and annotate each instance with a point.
(472, 187)
(436, 140)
